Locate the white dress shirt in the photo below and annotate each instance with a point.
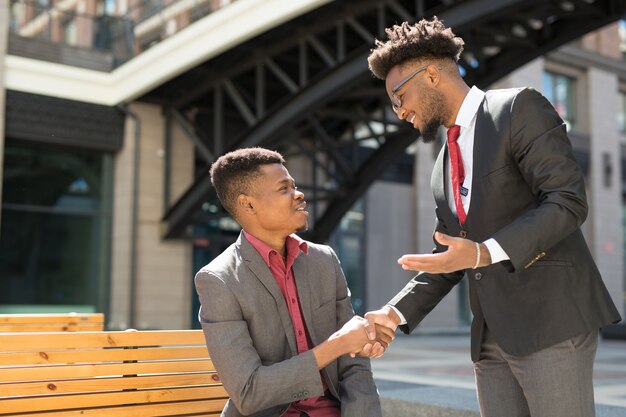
(466, 119)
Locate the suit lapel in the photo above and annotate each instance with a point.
(260, 270)
(484, 129)
(438, 178)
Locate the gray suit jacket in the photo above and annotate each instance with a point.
(528, 193)
(251, 339)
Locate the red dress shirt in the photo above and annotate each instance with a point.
(325, 406)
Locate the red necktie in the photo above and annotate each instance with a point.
(457, 170)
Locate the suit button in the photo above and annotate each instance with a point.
(463, 234)
(478, 276)
(306, 393)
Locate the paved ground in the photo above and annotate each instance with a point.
(426, 361)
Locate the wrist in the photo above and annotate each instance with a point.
(337, 343)
(485, 256)
(329, 350)
(392, 315)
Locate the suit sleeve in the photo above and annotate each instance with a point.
(542, 151)
(357, 390)
(422, 293)
(251, 385)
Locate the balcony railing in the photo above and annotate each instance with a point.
(77, 23)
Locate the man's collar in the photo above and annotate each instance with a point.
(469, 107)
(292, 244)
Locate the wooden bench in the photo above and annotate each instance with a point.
(121, 374)
(70, 322)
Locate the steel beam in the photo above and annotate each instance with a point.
(311, 88)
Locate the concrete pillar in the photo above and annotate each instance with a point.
(389, 234)
(163, 272)
(605, 199)
(425, 155)
(529, 75)
(4, 40)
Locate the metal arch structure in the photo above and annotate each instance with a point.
(304, 89)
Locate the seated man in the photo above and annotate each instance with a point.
(276, 310)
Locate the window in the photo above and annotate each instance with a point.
(149, 8)
(348, 240)
(560, 90)
(69, 29)
(109, 7)
(55, 235)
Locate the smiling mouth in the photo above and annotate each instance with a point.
(302, 207)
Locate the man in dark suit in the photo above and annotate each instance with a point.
(510, 199)
(276, 310)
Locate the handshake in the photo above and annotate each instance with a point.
(370, 336)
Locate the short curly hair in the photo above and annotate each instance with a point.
(425, 39)
(232, 173)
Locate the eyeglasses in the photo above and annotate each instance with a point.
(396, 103)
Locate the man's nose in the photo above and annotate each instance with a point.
(299, 195)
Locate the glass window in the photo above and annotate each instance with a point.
(560, 90)
(149, 8)
(109, 7)
(55, 230)
(348, 240)
(69, 29)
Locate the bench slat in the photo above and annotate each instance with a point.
(27, 404)
(34, 341)
(107, 384)
(38, 373)
(52, 327)
(138, 373)
(102, 355)
(52, 318)
(188, 408)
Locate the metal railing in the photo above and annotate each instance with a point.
(144, 24)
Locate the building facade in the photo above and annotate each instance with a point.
(87, 177)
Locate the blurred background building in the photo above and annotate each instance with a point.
(111, 112)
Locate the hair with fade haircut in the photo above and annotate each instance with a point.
(232, 173)
(424, 39)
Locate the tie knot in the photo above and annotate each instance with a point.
(453, 133)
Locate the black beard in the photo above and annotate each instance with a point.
(429, 134)
(436, 114)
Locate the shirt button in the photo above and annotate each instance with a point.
(293, 300)
(299, 332)
(478, 276)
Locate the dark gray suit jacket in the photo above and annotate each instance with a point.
(528, 193)
(251, 340)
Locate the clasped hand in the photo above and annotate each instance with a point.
(364, 338)
(370, 336)
(380, 325)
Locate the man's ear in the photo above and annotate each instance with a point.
(433, 74)
(245, 204)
